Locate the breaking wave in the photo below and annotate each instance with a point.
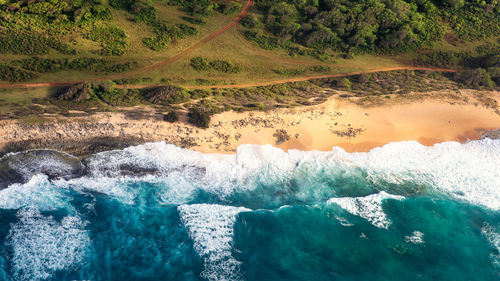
(56, 205)
(211, 228)
(368, 207)
(41, 245)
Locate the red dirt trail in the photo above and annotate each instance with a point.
(145, 69)
(198, 45)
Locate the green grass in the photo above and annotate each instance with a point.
(254, 63)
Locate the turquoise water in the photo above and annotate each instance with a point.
(158, 212)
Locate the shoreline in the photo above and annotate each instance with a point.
(353, 124)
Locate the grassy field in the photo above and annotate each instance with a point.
(257, 65)
(254, 65)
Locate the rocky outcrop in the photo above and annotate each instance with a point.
(21, 167)
(494, 135)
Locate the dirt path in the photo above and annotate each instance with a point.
(145, 69)
(297, 79)
(203, 42)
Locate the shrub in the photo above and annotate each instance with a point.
(120, 67)
(76, 93)
(228, 8)
(224, 66)
(112, 40)
(167, 95)
(30, 43)
(123, 4)
(320, 68)
(346, 83)
(290, 72)
(118, 97)
(203, 64)
(440, 58)
(132, 81)
(11, 74)
(199, 116)
(200, 64)
(495, 74)
(201, 113)
(147, 15)
(476, 78)
(171, 116)
(52, 65)
(265, 42)
(164, 34)
(249, 21)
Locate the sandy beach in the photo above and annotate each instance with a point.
(353, 124)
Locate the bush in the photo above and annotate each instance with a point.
(132, 81)
(346, 83)
(148, 15)
(440, 58)
(164, 34)
(228, 8)
(290, 72)
(265, 42)
(12, 74)
(167, 95)
(320, 68)
(118, 97)
(203, 64)
(76, 93)
(201, 113)
(112, 40)
(224, 66)
(495, 74)
(123, 4)
(29, 43)
(120, 67)
(249, 21)
(200, 64)
(199, 116)
(52, 65)
(476, 78)
(171, 116)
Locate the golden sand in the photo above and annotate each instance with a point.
(437, 117)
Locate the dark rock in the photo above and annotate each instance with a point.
(21, 167)
(494, 135)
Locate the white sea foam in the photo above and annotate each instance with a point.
(368, 207)
(467, 171)
(211, 229)
(416, 237)
(494, 239)
(117, 188)
(38, 193)
(41, 245)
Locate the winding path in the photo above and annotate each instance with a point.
(202, 42)
(172, 59)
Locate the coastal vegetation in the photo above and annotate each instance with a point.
(62, 40)
(200, 104)
(204, 64)
(373, 26)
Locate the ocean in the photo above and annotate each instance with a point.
(159, 212)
